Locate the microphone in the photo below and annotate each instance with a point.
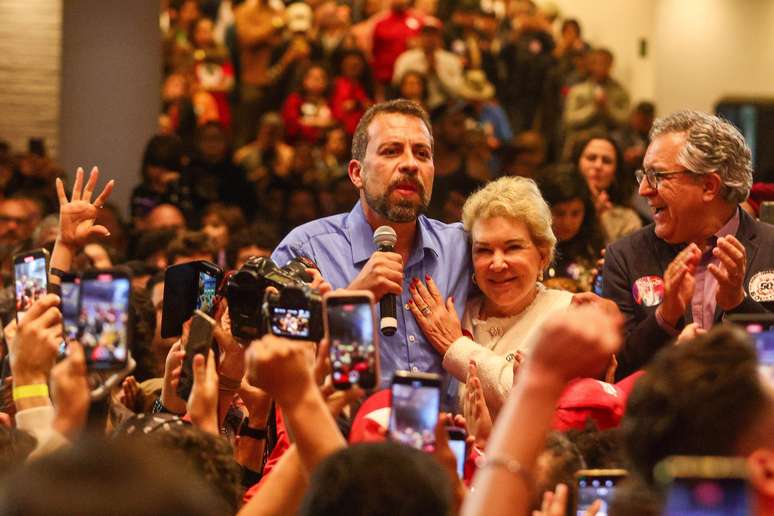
(385, 239)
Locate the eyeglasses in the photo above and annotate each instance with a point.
(654, 178)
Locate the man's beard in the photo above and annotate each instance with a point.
(399, 211)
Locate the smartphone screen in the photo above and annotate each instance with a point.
(761, 329)
(593, 487)
(199, 343)
(763, 335)
(70, 294)
(414, 414)
(290, 322)
(208, 286)
(459, 448)
(31, 281)
(707, 497)
(104, 319)
(351, 333)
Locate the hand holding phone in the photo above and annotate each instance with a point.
(199, 343)
(30, 270)
(596, 484)
(35, 345)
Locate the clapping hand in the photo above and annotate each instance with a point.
(730, 272)
(679, 283)
(77, 216)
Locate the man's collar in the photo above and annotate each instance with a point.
(361, 237)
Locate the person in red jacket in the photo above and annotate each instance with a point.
(391, 37)
(306, 112)
(352, 90)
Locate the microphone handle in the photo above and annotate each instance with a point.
(389, 321)
(387, 306)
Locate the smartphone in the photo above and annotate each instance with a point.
(208, 277)
(705, 486)
(199, 343)
(596, 286)
(349, 319)
(30, 272)
(104, 318)
(70, 293)
(761, 329)
(416, 401)
(459, 447)
(596, 484)
(188, 287)
(290, 322)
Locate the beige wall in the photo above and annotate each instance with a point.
(699, 50)
(30, 71)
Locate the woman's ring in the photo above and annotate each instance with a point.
(425, 310)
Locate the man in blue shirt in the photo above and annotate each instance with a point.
(392, 167)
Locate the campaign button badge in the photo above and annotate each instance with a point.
(761, 286)
(648, 290)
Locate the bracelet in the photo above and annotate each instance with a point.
(36, 390)
(255, 433)
(229, 384)
(510, 465)
(59, 273)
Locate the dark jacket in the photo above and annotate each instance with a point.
(643, 254)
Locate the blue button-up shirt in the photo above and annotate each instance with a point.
(341, 245)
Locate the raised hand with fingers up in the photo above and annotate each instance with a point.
(77, 215)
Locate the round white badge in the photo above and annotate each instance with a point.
(761, 286)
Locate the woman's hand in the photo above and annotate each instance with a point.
(77, 216)
(477, 416)
(438, 321)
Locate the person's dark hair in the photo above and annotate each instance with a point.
(151, 242)
(118, 478)
(189, 243)
(698, 398)
(378, 479)
(605, 52)
(211, 456)
(230, 214)
(646, 108)
(623, 185)
(163, 151)
(563, 183)
(399, 106)
(259, 234)
(572, 22)
(144, 317)
(305, 69)
(366, 78)
(634, 498)
(600, 449)
(564, 459)
(422, 78)
(15, 447)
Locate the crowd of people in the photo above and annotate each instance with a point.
(564, 266)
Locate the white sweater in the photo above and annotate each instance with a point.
(494, 351)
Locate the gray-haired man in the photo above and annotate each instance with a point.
(703, 256)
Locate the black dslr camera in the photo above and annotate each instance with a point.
(290, 309)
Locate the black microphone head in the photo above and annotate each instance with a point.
(385, 236)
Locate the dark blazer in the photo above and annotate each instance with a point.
(643, 254)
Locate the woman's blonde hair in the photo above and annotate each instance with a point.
(517, 198)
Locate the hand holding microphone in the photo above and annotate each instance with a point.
(382, 274)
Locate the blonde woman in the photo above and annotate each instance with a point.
(512, 243)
